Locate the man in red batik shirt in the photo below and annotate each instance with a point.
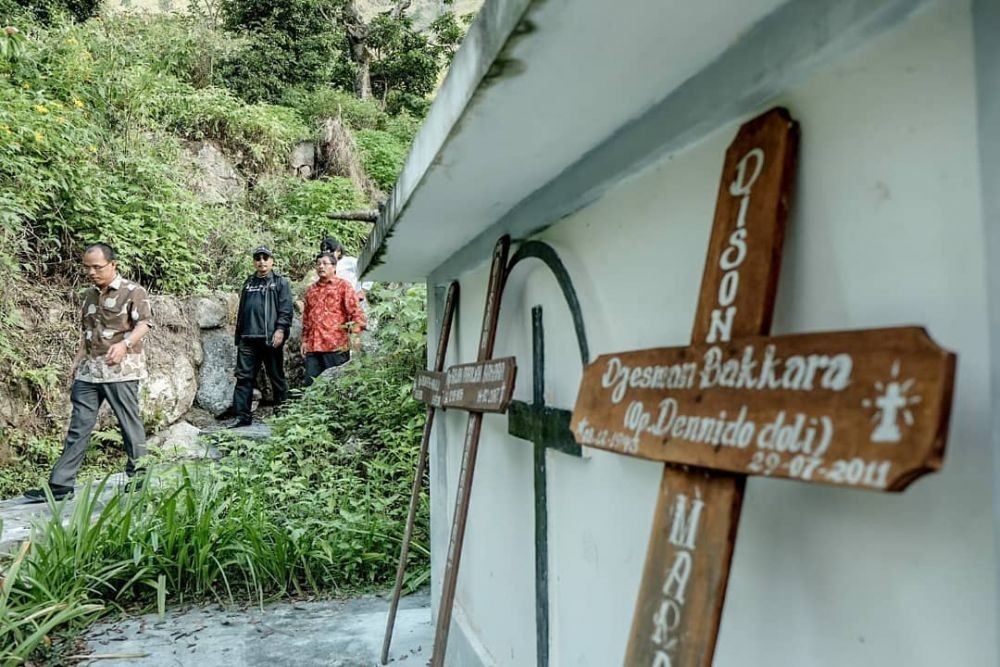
(331, 311)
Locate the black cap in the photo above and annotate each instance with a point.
(262, 250)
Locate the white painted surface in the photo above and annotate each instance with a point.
(885, 230)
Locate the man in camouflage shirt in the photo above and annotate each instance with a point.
(108, 366)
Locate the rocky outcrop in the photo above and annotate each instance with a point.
(213, 178)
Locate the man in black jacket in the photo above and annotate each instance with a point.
(262, 323)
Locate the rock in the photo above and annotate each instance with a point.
(173, 353)
(215, 378)
(181, 441)
(302, 161)
(338, 370)
(211, 312)
(213, 178)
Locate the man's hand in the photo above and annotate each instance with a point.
(71, 377)
(278, 339)
(115, 353)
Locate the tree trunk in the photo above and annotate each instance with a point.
(357, 38)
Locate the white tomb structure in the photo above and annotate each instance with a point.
(600, 129)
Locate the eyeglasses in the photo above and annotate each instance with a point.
(260, 256)
(88, 268)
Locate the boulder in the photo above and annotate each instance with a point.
(181, 441)
(215, 378)
(211, 312)
(173, 354)
(302, 161)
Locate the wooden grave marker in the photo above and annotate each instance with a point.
(475, 387)
(862, 408)
(427, 387)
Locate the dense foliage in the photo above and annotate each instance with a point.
(97, 120)
(290, 43)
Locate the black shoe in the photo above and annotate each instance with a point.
(58, 493)
(135, 484)
(239, 422)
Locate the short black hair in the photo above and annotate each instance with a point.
(330, 244)
(109, 253)
(329, 255)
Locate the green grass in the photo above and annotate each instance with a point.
(318, 508)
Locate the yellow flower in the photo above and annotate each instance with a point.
(41, 108)
(77, 102)
(60, 119)
(92, 148)
(4, 128)
(26, 85)
(39, 137)
(71, 40)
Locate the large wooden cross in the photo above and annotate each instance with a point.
(863, 409)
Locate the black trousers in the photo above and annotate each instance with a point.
(317, 362)
(86, 398)
(250, 356)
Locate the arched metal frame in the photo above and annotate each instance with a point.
(545, 427)
(547, 254)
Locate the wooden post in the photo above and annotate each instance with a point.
(451, 299)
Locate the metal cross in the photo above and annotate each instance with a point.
(547, 428)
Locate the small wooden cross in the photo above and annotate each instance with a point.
(547, 428)
(428, 390)
(864, 409)
(485, 385)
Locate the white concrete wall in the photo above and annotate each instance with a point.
(886, 230)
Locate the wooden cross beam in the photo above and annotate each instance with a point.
(867, 408)
(450, 301)
(465, 391)
(547, 428)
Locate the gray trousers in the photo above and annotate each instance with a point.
(86, 398)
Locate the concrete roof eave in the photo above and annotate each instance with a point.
(549, 103)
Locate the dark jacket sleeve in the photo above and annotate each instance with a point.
(284, 306)
(239, 313)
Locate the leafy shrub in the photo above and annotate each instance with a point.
(261, 134)
(326, 102)
(383, 154)
(296, 213)
(50, 11)
(181, 46)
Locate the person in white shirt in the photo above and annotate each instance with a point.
(347, 268)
